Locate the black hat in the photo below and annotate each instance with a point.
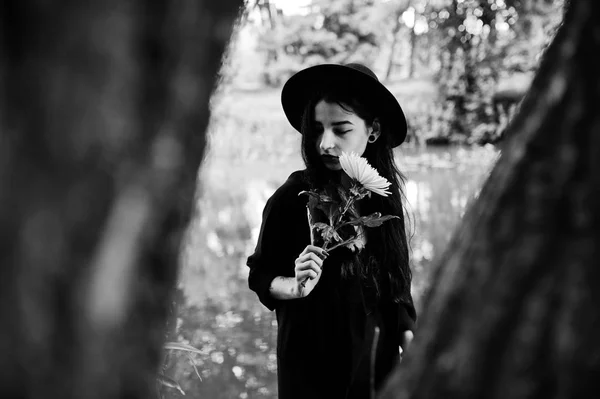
(298, 90)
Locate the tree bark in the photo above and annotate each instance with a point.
(393, 45)
(103, 111)
(513, 309)
(413, 49)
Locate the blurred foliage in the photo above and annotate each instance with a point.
(480, 53)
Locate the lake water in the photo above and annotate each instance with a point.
(219, 315)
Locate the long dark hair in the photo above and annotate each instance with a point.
(384, 264)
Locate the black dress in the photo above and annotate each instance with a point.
(324, 341)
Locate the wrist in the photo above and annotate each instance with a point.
(296, 288)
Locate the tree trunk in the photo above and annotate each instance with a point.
(103, 111)
(397, 26)
(269, 8)
(514, 307)
(413, 48)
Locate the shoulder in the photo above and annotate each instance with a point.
(290, 189)
(296, 180)
(287, 196)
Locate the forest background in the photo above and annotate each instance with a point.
(458, 68)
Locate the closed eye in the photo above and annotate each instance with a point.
(341, 131)
(342, 127)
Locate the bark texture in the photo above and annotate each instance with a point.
(103, 110)
(514, 306)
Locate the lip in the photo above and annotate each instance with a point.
(330, 158)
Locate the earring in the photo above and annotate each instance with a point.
(372, 138)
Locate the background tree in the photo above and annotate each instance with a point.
(336, 31)
(484, 44)
(103, 111)
(480, 53)
(396, 10)
(513, 309)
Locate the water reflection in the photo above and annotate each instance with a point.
(218, 314)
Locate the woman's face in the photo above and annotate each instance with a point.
(338, 131)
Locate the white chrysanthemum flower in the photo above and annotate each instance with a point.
(357, 168)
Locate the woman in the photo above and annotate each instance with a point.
(343, 317)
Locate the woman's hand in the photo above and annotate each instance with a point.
(308, 269)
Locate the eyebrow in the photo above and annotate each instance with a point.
(339, 123)
(342, 123)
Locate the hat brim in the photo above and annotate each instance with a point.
(299, 89)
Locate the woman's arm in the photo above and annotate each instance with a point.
(284, 288)
(284, 231)
(273, 256)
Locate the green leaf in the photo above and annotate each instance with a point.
(353, 212)
(325, 198)
(336, 236)
(313, 202)
(346, 202)
(320, 197)
(323, 202)
(357, 243)
(343, 194)
(169, 382)
(321, 226)
(373, 220)
(329, 208)
(327, 232)
(181, 347)
(310, 193)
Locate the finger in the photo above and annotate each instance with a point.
(315, 249)
(306, 274)
(303, 264)
(321, 252)
(308, 265)
(311, 256)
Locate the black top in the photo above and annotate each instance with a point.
(324, 341)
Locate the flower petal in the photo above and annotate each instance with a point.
(357, 168)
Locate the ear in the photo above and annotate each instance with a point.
(375, 129)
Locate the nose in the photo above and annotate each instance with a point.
(327, 140)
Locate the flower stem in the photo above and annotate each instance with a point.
(340, 244)
(310, 225)
(344, 242)
(347, 206)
